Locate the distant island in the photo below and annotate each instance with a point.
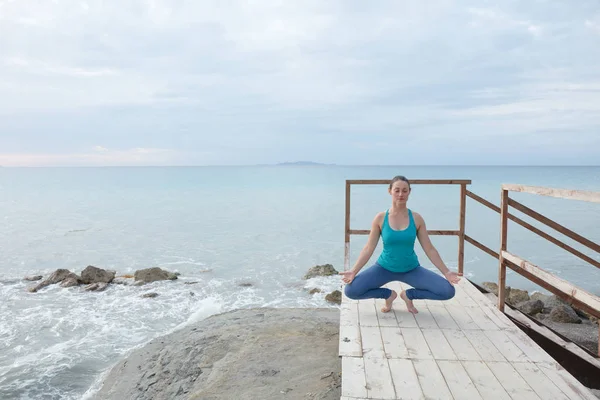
(301, 163)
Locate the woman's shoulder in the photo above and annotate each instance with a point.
(417, 217)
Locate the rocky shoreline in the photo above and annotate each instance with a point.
(555, 313)
(243, 354)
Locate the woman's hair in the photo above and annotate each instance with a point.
(399, 178)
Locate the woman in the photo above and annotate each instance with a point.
(399, 227)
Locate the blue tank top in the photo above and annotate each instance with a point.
(398, 253)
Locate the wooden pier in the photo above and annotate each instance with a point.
(467, 347)
(464, 348)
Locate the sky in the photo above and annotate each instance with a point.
(228, 82)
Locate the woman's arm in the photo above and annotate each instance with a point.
(431, 251)
(370, 246)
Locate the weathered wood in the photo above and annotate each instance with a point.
(571, 291)
(404, 377)
(582, 195)
(461, 228)
(412, 181)
(512, 381)
(432, 381)
(560, 228)
(354, 382)
(458, 380)
(347, 230)
(431, 232)
(503, 241)
(529, 227)
(485, 381)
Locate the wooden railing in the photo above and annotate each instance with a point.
(461, 222)
(573, 295)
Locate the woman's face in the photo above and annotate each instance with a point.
(400, 192)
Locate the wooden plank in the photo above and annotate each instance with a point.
(458, 380)
(412, 181)
(379, 379)
(461, 346)
(481, 247)
(367, 316)
(440, 348)
(354, 383)
(566, 382)
(424, 317)
(432, 381)
(531, 349)
(591, 301)
(539, 382)
(503, 241)
(349, 336)
(347, 230)
(485, 381)
(484, 346)
(416, 344)
(393, 343)
(462, 318)
(461, 228)
(350, 341)
(560, 228)
(508, 349)
(497, 317)
(385, 319)
(511, 380)
(483, 201)
(430, 232)
(442, 317)
(582, 195)
(543, 330)
(372, 344)
(405, 379)
(481, 319)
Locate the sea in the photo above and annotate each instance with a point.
(246, 235)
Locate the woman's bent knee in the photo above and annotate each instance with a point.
(350, 292)
(448, 292)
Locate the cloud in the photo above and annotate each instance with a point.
(265, 81)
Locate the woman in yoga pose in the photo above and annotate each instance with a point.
(399, 227)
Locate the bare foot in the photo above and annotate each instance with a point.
(409, 303)
(389, 301)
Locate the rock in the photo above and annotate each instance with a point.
(190, 283)
(243, 354)
(122, 281)
(539, 296)
(245, 284)
(531, 307)
(490, 287)
(315, 290)
(321, 270)
(96, 287)
(57, 276)
(33, 278)
(334, 297)
(93, 274)
(70, 282)
(554, 301)
(153, 274)
(517, 296)
(149, 295)
(564, 314)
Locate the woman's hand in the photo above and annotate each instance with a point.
(452, 277)
(348, 276)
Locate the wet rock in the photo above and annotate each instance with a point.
(517, 296)
(96, 287)
(334, 297)
(32, 278)
(57, 276)
(245, 284)
(70, 282)
(531, 307)
(123, 281)
(153, 275)
(564, 314)
(315, 290)
(93, 274)
(149, 295)
(539, 296)
(321, 270)
(490, 287)
(190, 283)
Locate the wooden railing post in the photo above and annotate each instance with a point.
(503, 240)
(347, 230)
(461, 229)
